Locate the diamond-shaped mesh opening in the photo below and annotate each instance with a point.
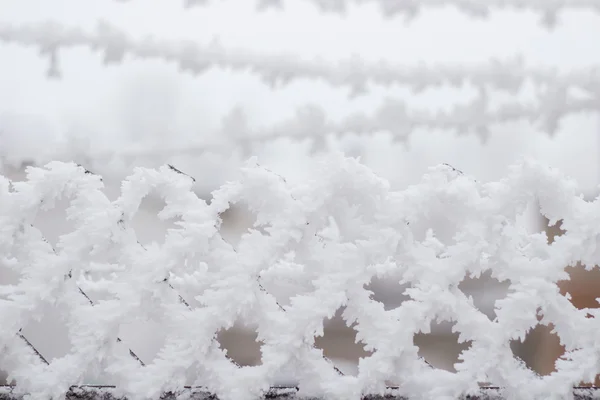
(49, 333)
(583, 286)
(539, 350)
(440, 347)
(485, 291)
(552, 231)
(241, 344)
(237, 220)
(387, 292)
(148, 227)
(583, 290)
(339, 344)
(53, 222)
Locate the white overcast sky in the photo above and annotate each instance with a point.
(110, 104)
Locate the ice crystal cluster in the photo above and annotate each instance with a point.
(322, 241)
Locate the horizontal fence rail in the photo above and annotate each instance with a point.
(274, 393)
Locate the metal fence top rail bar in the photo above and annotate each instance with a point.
(91, 392)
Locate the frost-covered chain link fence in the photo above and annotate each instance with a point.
(322, 241)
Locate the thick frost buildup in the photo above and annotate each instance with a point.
(323, 241)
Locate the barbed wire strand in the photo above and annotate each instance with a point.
(547, 9)
(281, 69)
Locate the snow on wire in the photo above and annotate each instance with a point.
(324, 241)
(548, 9)
(556, 93)
(276, 70)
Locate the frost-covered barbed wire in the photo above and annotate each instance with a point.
(556, 94)
(548, 9)
(393, 116)
(325, 240)
(275, 70)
